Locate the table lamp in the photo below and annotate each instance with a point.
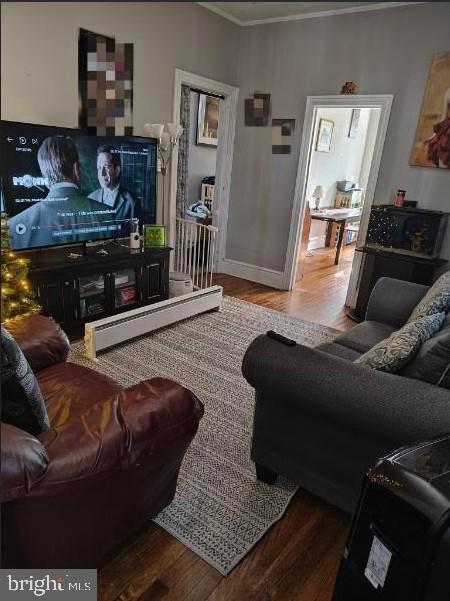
(317, 195)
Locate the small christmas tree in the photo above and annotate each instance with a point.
(16, 295)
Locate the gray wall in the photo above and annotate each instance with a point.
(39, 61)
(386, 52)
(202, 159)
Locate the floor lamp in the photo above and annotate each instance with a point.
(167, 140)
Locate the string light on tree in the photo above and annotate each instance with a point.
(16, 295)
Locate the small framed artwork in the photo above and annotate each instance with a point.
(208, 120)
(354, 121)
(324, 135)
(154, 235)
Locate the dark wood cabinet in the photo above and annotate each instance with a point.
(77, 290)
(377, 264)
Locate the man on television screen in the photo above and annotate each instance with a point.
(111, 193)
(65, 216)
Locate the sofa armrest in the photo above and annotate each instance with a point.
(119, 431)
(24, 462)
(392, 301)
(157, 412)
(359, 398)
(41, 340)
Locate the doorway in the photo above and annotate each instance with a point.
(199, 87)
(339, 160)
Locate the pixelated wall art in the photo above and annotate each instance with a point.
(282, 130)
(257, 110)
(105, 84)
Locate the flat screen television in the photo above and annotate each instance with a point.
(62, 186)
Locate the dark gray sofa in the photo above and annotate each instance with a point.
(322, 421)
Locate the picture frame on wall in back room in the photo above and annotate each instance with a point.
(154, 235)
(324, 135)
(208, 120)
(354, 122)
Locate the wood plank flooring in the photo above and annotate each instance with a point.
(298, 558)
(318, 297)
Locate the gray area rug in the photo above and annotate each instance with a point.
(220, 510)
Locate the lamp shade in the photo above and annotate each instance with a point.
(318, 192)
(153, 130)
(164, 142)
(175, 130)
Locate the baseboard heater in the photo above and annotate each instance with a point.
(104, 333)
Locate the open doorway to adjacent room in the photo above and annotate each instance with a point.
(338, 168)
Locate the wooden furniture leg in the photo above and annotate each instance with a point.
(339, 242)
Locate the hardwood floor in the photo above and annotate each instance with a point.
(319, 297)
(298, 558)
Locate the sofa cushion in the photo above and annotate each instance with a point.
(393, 353)
(432, 362)
(437, 299)
(338, 350)
(22, 401)
(365, 335)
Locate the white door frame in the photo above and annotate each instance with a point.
(313, 103)
(225, 149)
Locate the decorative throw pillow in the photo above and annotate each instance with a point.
(393, 353)
(432, 362)
(22, 402)
(437, 299)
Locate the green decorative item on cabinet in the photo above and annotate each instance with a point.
(154, 235)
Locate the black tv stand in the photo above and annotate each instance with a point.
(89, 286)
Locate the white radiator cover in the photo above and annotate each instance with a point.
(104, 333)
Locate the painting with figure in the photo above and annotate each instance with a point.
(105, 84)
(431, 146)
(257, 110)
(208, 120)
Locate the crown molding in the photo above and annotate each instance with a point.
(313, 15)
(221, 13)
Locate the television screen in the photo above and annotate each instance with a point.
(61, 186)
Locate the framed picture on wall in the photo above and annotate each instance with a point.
(354, 122)
(208, 120)
(324, 135)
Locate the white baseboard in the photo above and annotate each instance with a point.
(261, 275)
(316, 242)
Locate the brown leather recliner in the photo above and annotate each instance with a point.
(72, 495)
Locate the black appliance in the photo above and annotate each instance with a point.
(399, 543)
(406, 230)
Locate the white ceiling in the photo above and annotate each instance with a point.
(255, 13)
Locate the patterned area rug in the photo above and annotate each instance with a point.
(220, 510)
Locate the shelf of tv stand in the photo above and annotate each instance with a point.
(56, 280)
